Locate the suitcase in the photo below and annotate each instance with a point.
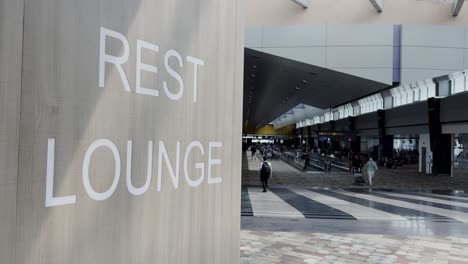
(359, 180)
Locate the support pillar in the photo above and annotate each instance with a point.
(440, 143)
(385, 141)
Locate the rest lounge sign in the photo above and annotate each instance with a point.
(178, 168)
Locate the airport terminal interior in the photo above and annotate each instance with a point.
(234, 131)
(321, 100)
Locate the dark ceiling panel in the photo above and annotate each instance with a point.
(274, 85)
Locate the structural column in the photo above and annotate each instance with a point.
(309, 137)
(385, 141)
(440, 143)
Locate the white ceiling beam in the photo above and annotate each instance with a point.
(457, 6)
(378, 5)
(303, 3)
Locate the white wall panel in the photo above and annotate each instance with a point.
(359, 35)
(383, 75)
(285, 12)
(11, 33)
(295, 36)
(414, 75)
(465, 59)
(466, 37)
(311, 55)
(63, 99)
(368, 48)
(360, 57)
(253, 37)
(433, 36)
(432, 58)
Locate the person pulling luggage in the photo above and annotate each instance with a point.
(371, 167)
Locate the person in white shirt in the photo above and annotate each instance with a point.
(265, 173)
(371, 167)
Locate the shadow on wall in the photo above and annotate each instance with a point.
(73, 28)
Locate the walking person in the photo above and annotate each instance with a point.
(327, 165)
(371, 167)
(265, 173)
(357, 164)
(254, 150)
(306, 160)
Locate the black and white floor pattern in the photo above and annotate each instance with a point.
(358, 204)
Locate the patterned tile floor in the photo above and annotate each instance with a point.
(308, 238)
(259, 247)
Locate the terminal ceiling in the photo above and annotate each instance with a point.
(274, 85)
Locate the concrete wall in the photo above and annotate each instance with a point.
(11, 25)
(64, 111)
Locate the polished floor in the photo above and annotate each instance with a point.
(301, 223)
(355, 204)
(316, 225)
(406, 177)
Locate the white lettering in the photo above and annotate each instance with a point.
(149, 170)
(50, 199)
(140, 66)
(174, 176)
(196, 62)
(212, 162)
(173, 73)
(86, 182)
(199, 165)
(117, 61)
